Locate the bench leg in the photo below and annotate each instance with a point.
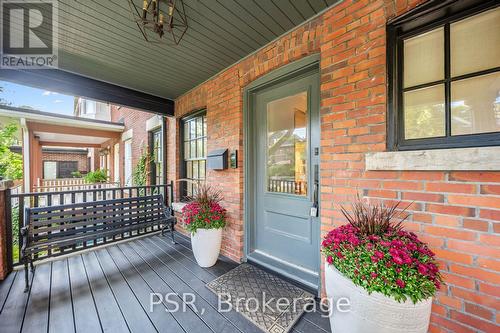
(26, 277)
(172, 232)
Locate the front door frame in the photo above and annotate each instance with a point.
(281, 74)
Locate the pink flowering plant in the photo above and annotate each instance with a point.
(204, 210)
(376, 253)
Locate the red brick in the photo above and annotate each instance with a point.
(490, 189)
(485, 177)
(457, 280)
(478, 311)
(490, 264)
(474, 322)
(400, 185)
(476, 273)
(382, 194)
(453, 302)
(453, 256)
(476, 224)
(490, 214)
(475, 297)
(493, 240)
(450, 232)
(450, 210)
(489, 289)
(451, 187)
(420, 196)
(473, 248)
(481, 201)
(451, 326)
(422, 175)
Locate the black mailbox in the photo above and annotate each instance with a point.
(217, 159)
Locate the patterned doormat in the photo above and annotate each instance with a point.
(269, 302)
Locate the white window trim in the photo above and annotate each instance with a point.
(459, 159)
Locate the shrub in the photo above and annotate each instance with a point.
(204, 210)
(98, 176)
(376, 253)
(76, 174)
(140, 173)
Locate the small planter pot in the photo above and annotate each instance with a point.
(206, 246)
(375, 313)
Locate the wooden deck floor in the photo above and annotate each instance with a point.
(109, 290)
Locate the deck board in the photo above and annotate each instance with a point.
(37, 311)
(84, 309)
(61, 307)
(109, 290)
(111, 316)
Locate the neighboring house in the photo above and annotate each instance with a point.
(143, 133)
(98, 136)
(61, 162)
(49, 142)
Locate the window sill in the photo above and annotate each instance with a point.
(177, 206)
(461, 159)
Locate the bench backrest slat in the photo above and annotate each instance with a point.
(76, 223)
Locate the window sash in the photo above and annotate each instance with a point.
(195, 160)
(395, 123)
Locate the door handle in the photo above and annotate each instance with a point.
(314, 208)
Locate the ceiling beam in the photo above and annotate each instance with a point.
(78, 85)
(70, 144)
(49, 128)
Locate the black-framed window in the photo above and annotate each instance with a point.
(59, 169)
(444, 77)
(156, 153)
(194, 151)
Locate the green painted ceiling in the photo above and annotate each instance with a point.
(100, 39)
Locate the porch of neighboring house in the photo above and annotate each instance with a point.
(45, 134)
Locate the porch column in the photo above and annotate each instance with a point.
(5, 231)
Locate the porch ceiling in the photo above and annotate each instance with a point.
(99, 39)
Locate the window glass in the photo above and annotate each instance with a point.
(195, 142)
(424, 58)
(450, 82)
(287, 144)
(475, 43)
(424, 115)
(475, 105)
(157, 152)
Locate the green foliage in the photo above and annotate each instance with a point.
(76, 174)
(140, 173)
(98, 176)
(11, 164)
(15, 233)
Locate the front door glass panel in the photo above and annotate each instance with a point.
(287, 145)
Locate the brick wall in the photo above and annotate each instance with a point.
(81, 158)
(135, 120)
(457, 213)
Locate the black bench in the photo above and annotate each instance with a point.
(56, 230)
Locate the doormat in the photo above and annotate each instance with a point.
(269, 302)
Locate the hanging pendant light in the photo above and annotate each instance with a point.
(157, 18)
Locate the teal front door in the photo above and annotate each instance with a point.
(284, 235)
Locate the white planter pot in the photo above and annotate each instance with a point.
(375, 313)
(206, 246)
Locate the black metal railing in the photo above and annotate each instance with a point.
(287, 186)
(17, 202)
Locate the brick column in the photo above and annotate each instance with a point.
(5, 232)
